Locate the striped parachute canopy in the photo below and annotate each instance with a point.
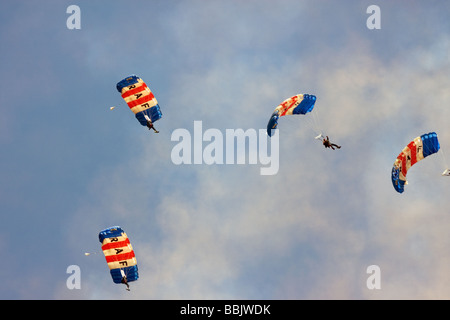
(298, 104)
(119, 254)
(140, 99)
(418, 149)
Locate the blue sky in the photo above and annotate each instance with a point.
(71, 167)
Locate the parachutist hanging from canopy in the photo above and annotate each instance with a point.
(150, 124)
(326, 142)
(124, 280)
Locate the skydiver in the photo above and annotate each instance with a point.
(150, 126)
(326, 142)
(124, 281)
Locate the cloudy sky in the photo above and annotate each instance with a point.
(71, 167)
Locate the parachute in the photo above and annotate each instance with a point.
(298, 104)
(417, 150)
(119, 254)
(140, 99)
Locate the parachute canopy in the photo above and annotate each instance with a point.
(119, 254)
(140, 99)
(418, 149)
(298, 104)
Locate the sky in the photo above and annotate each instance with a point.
(71, 166)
